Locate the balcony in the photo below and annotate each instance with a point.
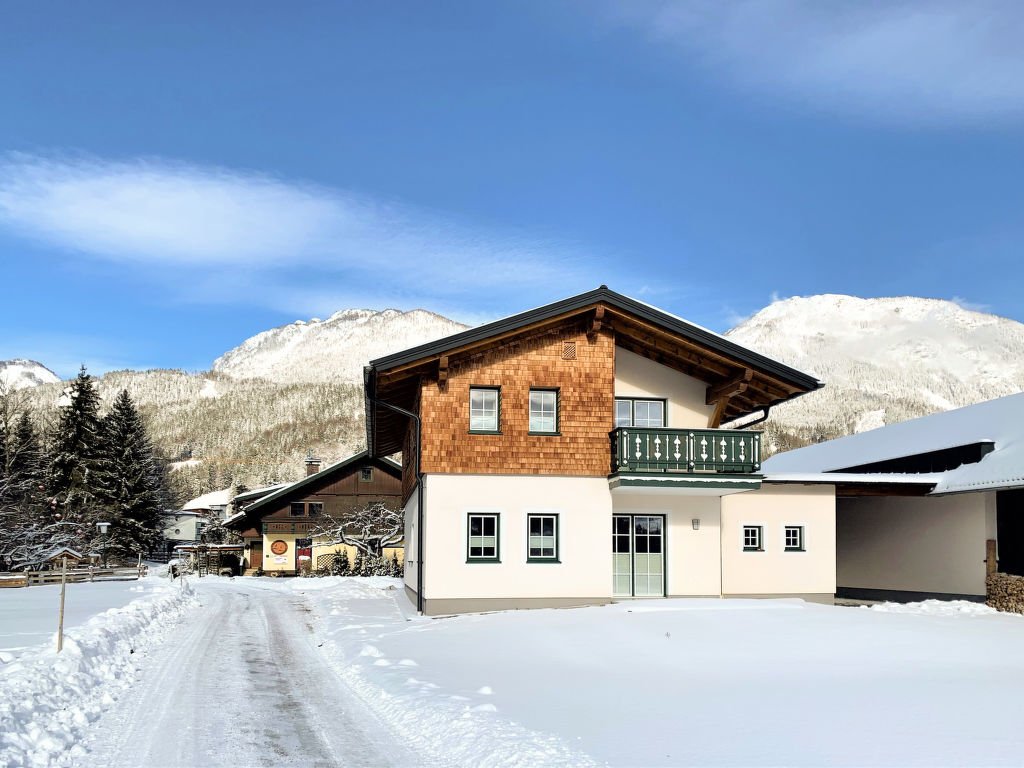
(685, 451)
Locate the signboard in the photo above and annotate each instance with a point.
(279, 547)
(288, 527)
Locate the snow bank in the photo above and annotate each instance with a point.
(937, 608)
(445, 725)
(48, 700)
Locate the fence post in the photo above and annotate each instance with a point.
(63, 589)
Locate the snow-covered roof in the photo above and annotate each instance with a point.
(256, 493)
(236, 516)
(1000, 421)
(209, 500)
(883, 478)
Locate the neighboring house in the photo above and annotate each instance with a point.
(572, 455)
(918, 500)
(277, 527)
(181, 527)
(214, 504)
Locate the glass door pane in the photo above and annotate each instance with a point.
(648, 560)
(622, 556)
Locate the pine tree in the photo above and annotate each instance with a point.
(76, 454)
(357, 567)
(129, 482)
(340, 565)
(396, 567)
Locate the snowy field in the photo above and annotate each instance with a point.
(687, 682)
(49, 701)
(29, 614)
(341, 671)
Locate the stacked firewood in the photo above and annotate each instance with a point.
(1005, 592)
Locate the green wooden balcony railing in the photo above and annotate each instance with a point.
(734, 451)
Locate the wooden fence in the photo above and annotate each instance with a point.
(75, 575)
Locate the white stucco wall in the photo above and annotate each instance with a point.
(775, 571)
(636, 376)
(584, 508)
(412, 554)
(692, 565)
(915, 544)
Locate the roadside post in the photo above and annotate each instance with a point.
(63, 589)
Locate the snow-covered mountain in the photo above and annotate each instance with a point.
(884, 360)
(20, 373)
(333, 349)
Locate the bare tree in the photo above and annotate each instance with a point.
(370, 529)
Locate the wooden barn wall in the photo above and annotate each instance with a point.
(586, 404)
(342, 493)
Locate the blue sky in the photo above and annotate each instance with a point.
(175, 177)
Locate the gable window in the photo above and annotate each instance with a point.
(366, 475)
(794, 538)
(544, 411)
(306, 508)
(752, 539)
(482, 539)
(484, 409)
(632, 412)
(542, 535)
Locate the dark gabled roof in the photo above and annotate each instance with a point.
(793, 381)
(362, 456)
(603, 294)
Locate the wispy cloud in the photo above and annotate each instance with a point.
(926, 62)
(254, 237)
(971, 306)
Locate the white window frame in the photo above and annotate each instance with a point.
(803, 536)
(555, 513)
(542, 414)
(632, 410)
(499, 534)
(484, 411)
(744, 547)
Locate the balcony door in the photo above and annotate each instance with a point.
(638, 555)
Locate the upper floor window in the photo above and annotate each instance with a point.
(544, 410)
(366, 474)
(631, 412)
(484, 409)
(752, 539)
(306, 508)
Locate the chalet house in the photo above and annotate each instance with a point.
(574, 454)
(277, 527)
(924, 506)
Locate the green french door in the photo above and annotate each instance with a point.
(638, 555)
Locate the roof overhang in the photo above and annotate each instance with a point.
(683, 485)
(637, 327)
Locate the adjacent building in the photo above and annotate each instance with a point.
(278, 524)
(919, 501)
(574, 454)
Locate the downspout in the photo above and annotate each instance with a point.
(419, 494)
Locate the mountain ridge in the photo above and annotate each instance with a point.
(283, 391)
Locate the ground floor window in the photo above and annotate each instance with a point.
(752, 539)
(483, 535)
(794, 538)
(542, 532)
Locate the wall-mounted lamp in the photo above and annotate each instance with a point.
(696, 523)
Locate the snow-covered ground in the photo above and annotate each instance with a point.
(49, 700)
(30, 613)
(686, 682)
(341, 671)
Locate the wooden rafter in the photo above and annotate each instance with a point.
(737, 385)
